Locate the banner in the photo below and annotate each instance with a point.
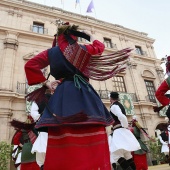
(127, 102)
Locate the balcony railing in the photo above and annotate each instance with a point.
(21, 88)
(104, 94)
(150, 98)
(110, 45)
(141, 52)
(38, 29)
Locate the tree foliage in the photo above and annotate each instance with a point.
(155, 150)
(5, 153)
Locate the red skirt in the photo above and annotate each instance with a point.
(140, 161)
(29, 166)
(82, 147)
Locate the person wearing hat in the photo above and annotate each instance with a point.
(122, 142)
(75, 116)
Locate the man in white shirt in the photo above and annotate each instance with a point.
(122, 142)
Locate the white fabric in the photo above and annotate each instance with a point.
(169, 134)
(15, 153)
(34, 112)
(18, 168)
(18, 160)
(114, 157)
(123, 139)
(115, 109)
(161, 140)
(40, 144)
(165, 147)
(40, 158)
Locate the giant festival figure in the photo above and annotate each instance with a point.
(75, 115)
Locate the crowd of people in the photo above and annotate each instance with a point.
(70, 125)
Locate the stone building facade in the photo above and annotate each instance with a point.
(27, 28)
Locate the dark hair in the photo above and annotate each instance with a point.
(114, 95)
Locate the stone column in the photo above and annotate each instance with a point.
(5, 115)
(8, 61)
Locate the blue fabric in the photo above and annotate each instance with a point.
(71, 99)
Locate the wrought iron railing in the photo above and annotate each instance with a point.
(38, 29)
(104, 94)
(21, 88)
(110, 45)
(150, 98)
(141, 52)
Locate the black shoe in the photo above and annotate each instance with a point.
(42, 167)
(114, 166)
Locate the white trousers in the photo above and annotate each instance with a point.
(18, 168)
(114, 156)
(40, 158)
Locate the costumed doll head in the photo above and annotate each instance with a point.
(64, 29)
(67, 33)
(73, 52)
(168, 65)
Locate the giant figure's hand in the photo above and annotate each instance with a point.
(52, 85)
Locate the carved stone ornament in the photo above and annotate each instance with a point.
(121, 38)
(11, 43)
(30, 55)
(132, 64)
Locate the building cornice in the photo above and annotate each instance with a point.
(11, 95)
(52, 12)
(144, 58)
(28, 33)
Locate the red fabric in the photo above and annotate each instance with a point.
(32, 136)
(140, 161)
(160, 93)
(80, 148)
(16, 138)
(62, 42)
(29, 166)
(96, 48)
(131, 129)
(33, 68)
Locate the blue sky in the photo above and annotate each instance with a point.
(149, 16)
